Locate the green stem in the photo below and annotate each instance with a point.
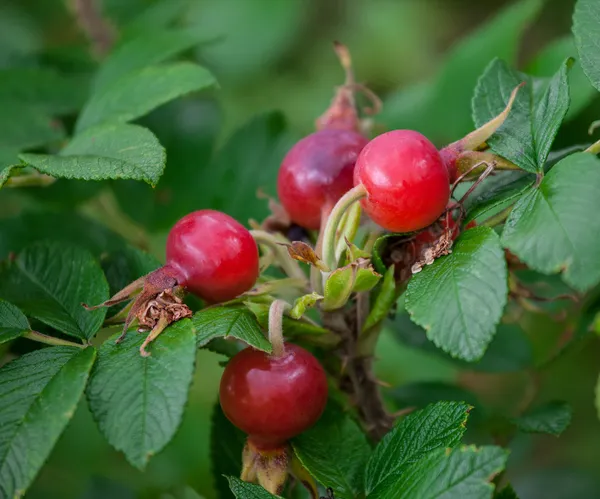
(498, 218)
(289, 266)
(50, 340)
(594, 148)
(333, 222)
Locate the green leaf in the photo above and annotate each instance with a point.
(141, 91)
(38, 395)
(335, 452)
(43, 89)
(13, 322)
(559, 210)
(247, 162)
(111, 151)
(303, 303)
(245, 490)
(553, 417)
(507, 493)
(148, 48)
(550, 57)
(497, 193)
(125, 265)
(18, 232)
(25, 127)
(422, 393)
(459, 299)
(50, 281)
(597, 397)
(585, 29)
(449, 94)
(229, 322)
(226, 446)
(534, 120)
(138, 401)
(464, 473)
(383, 302)
(438, 426)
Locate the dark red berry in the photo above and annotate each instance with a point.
(273, 399)
(213, 255)
(406, 181)
(317, 172)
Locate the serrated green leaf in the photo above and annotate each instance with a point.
(587, 34)
(459, 299)
(438, 426)
(226, 445)
(245, 490)
(229, 322)
(70, 228)
(534, 120)
(383, 302)
(110, 151)
(138, 401)
(50, 281)
(25, 127)
(559, 210)
(464, 473)
(449, 94)
(141, 91)
(148, 48)
(43, 89)
(247, 162)
(335, 452)
(38, 395)
(553, 417)
(550, 57)
(303, 303)
(496, 193)
(13, 322)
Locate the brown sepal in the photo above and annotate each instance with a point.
(302, 252)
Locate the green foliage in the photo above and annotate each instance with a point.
(585, 29)
(438, 426)
(13, 322)
(139, 92)
(528, 133)
(38, 395)
(229, 322)
(244, 490)
(50, 281)
(335, 452)
(105, 152)
(460, 298)
(553, 417)
(138, 401)
(558, 210)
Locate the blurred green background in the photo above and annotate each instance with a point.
(422, 57)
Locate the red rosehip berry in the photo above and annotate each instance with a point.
(316, 172)
(213, 256)
(405, 179)
(273, 399)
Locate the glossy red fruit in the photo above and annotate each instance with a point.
(213, 255)
(273, 399)
(317, 172)
(406, 181)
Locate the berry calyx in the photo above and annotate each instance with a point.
(271, 398)
(214, 256)
(405, 180)
(316, 172)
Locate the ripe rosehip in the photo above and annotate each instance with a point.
(271, 398)
(317, 172)
(213, 255)
(406, 181)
